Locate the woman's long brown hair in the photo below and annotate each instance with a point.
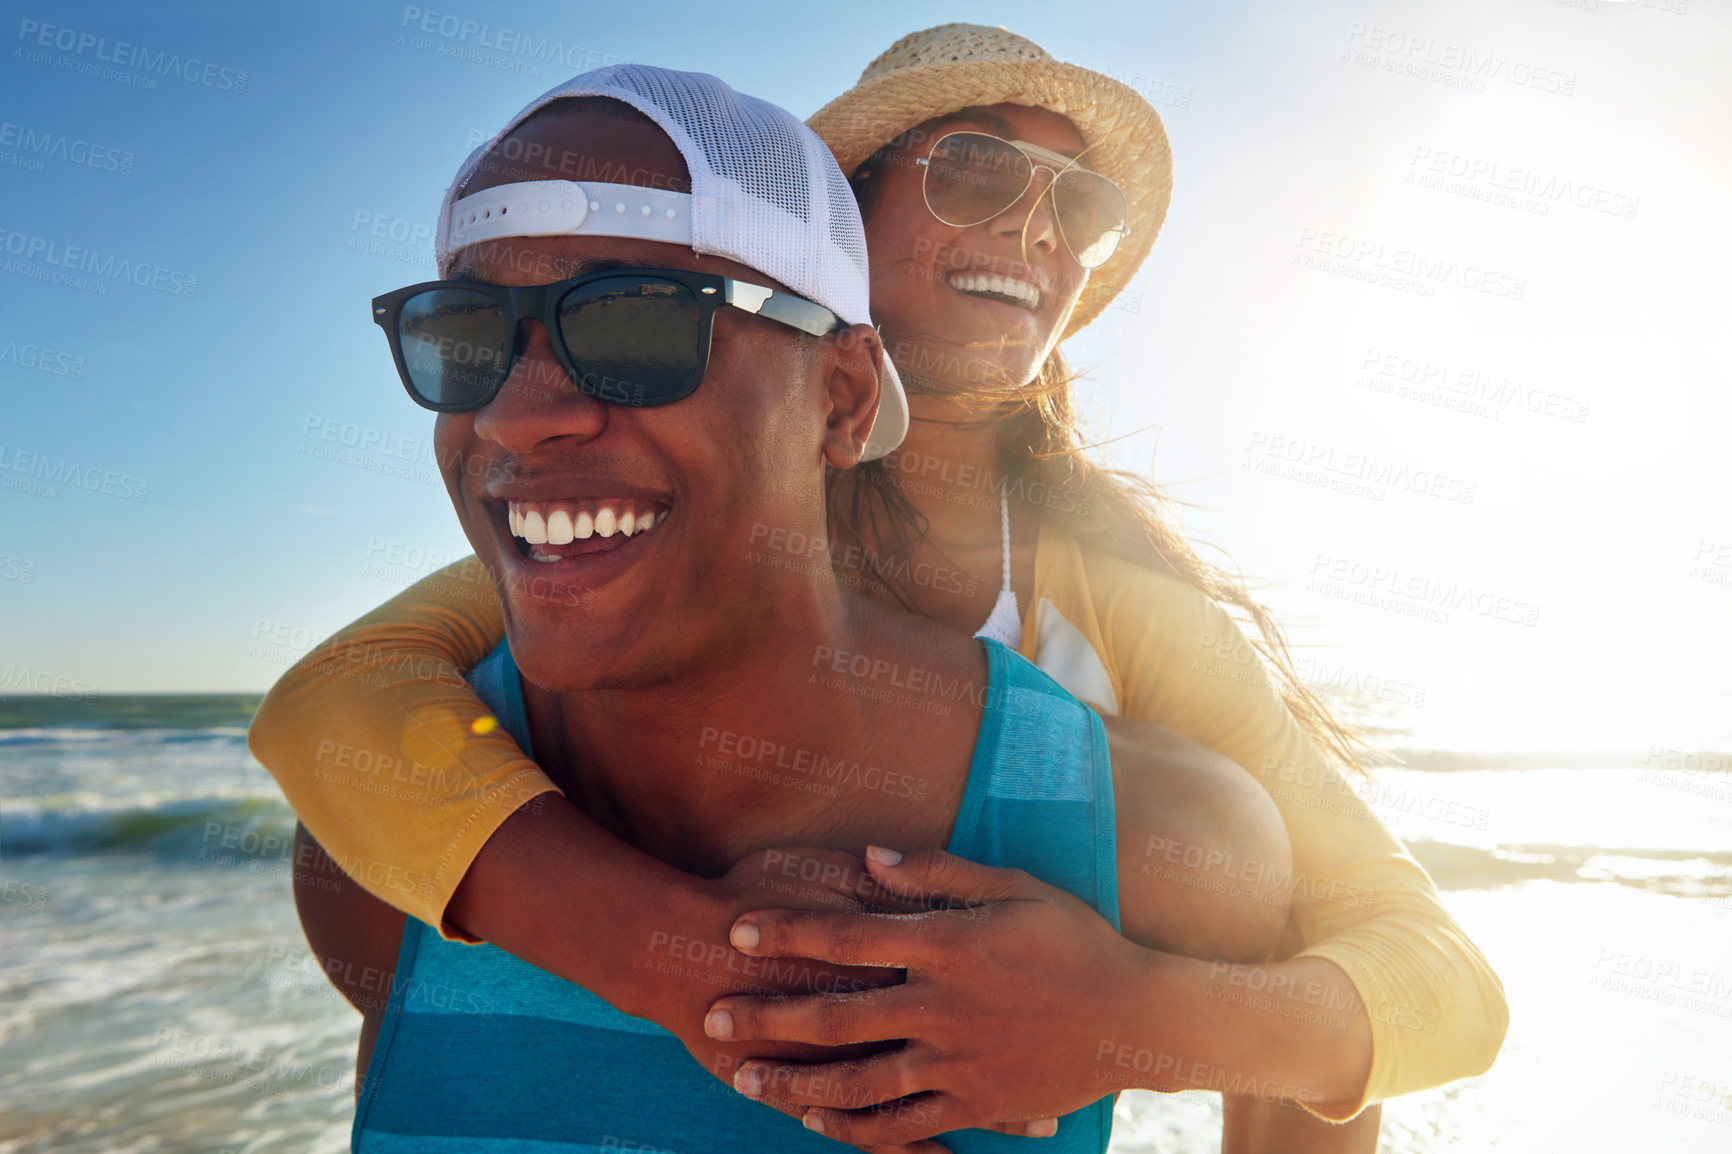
(1041, 448)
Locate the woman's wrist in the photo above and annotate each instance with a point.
(1284, 1031)
(557, 890)
(668, 931)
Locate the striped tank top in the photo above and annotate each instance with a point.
(480, 1051)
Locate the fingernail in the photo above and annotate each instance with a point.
(745, 936)
(814, 1123)
(749, 1082)
(719, 1024)
(883, 856)
(1042, 1128)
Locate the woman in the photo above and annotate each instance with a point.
(988, 176)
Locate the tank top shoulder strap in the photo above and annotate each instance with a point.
(495, 681)
(1040, 792)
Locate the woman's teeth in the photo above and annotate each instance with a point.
(561, 523)
(1007, 287)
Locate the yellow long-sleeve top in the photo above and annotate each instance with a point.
(397, 769)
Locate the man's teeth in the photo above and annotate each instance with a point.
(561, 523)
(1018, 290)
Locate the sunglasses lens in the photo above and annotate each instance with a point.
(633, 339)
(1091, 214)
(454, 346)
(972, 177)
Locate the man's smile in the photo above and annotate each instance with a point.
(544, 526)
(590, 530)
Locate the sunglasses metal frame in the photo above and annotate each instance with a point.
(1038, 158)
(520, 303)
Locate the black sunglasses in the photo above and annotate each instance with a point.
(626, 336)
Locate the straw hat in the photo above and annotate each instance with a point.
(938, 71)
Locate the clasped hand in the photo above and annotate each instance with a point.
(959, 995)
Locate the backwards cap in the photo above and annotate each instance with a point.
(766, 193)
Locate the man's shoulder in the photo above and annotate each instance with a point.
(1201, 847)
(1157, 768)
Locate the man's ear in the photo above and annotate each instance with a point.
(851, 361)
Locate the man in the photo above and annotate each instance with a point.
(610, 448)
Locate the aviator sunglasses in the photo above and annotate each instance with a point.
(626, 336)
(971, 177)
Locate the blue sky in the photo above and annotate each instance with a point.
(210, 535)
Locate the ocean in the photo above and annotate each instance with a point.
(156, 992)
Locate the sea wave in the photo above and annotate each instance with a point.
(187, 711)
(176, 828)
(1704, 873)
(221, 734)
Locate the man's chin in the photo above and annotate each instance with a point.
(570, 638)
(559, 662)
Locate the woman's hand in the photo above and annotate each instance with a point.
(1008, 1001)
(685, 958)
(690, 960)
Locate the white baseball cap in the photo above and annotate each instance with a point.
(766, 192)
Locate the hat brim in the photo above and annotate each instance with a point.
(891, 423)
(1127, 143)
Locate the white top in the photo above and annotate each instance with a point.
(1061, 651)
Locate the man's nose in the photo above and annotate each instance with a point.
(538, 401)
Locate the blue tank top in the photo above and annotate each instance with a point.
(481, 1051)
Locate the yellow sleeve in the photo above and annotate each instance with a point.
(385, 752)
(1360, 900)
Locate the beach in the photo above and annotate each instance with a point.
(156, 992)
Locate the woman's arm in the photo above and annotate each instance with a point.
(387, 755)
(1374, 943)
